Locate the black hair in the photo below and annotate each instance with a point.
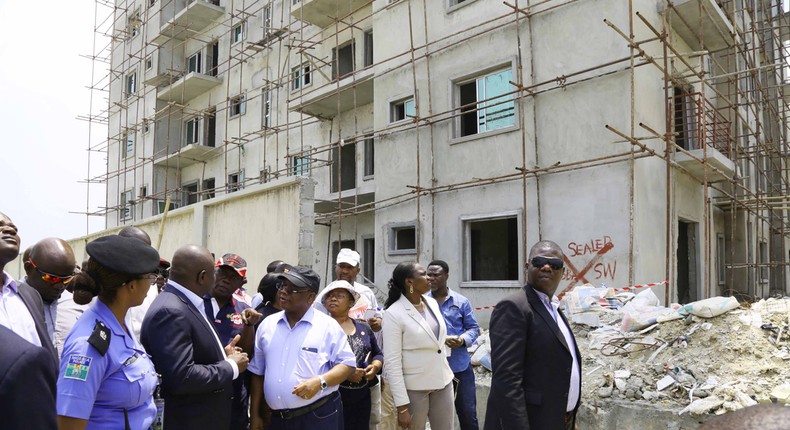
(442, 264)
(397, 284)
(268, 287)
(97, 280)
(273, 265)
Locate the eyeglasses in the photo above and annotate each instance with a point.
(151, 277)
(50, 278)
(164, 272)
(290, 290)
(554, 263)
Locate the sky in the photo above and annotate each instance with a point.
(43, 83)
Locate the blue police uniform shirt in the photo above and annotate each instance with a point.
(98, 388)
(460, 320)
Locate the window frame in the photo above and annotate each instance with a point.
(392, 235)
(237, 106)
(466, 254)
(198, 55)
(455, 91)
(303, 168)
(232, 187)
(127, 152)
(394, 108)
(242, 33)
(301, 76)
(130, 84)
(198, 123)
(206, 191)
(149, 62)
(195, 184)
(721, 259)
(368, 157)
(266, 107)
(126, 211)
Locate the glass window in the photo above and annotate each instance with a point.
(481, 108)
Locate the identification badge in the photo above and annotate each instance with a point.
(78, 367)
(131, 359)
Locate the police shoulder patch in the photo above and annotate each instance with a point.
(78, 367)
(100, 338)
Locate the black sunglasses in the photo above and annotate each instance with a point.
(164, 272)
(554, 263)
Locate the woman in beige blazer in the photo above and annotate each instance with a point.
(415, 357)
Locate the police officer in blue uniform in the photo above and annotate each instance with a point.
(106, 380)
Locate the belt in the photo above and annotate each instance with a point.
(288, 414)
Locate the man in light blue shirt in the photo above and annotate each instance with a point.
(462, 331)
(301, 356)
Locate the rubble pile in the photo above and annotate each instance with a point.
(691, 364)
(707, 357)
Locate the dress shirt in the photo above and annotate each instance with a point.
(135, 315)
(552, 305)
(60, 316)
(14, 314)
(197, 302)
(460, 319)
(288, 356)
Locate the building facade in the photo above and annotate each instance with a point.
(647, 138)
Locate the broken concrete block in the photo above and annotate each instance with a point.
(622, 374)
(664, 382)
(703, 406)
(605, 392)
(781, 393)
(620, 384)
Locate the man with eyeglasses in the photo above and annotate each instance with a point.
(301, 356)
(537, 379)
(50, 265)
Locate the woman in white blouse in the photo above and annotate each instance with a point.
(415, 357)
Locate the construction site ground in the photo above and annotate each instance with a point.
(679, 373)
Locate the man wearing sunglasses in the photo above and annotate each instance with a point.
(49, 266)
(537, 379)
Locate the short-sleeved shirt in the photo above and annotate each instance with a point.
(97, 387)
(227, 320)
(460, 320)
(288, 356)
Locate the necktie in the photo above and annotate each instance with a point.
(209, 309)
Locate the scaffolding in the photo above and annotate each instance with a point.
(184, 74)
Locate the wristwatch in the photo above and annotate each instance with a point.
(323, 382)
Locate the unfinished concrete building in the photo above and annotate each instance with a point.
(647, 137)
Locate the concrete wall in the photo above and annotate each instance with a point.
(278, 224)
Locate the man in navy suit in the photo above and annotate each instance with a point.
(197, 370)
(27, 384)
(537, 367)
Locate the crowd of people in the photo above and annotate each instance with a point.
(94, 346)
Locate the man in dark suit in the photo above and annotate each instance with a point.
(197, 372)
(27, 384)
(23, 311)
(537, 367)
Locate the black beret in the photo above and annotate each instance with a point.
(124, 255)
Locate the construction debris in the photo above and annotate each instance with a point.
(686, 363)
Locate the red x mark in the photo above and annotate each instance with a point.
(579, 274)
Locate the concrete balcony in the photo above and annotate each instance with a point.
(188, 87)
(194, 18)
(323, 13)
(331, 99)
(705, 134)
(364, 194)
(188, 155)
(717, 29)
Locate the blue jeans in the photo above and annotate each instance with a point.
(328, 417)
(466, 399)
